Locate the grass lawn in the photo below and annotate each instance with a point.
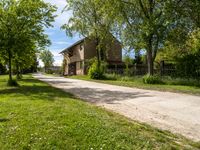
(38, 116)
(171, 85)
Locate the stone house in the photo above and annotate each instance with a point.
(85, 49)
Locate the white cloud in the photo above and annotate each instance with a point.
(56, 53)
(58, 62)
(62, 43)
(62, 17)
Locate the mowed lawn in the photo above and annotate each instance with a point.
(38, 116)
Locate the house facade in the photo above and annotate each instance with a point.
(85, 49)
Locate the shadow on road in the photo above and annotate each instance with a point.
(95, 95)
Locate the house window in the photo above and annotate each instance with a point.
(81, 47)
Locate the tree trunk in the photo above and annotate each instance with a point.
(150, 62)
(19, 76)
(98, 54)
(10, 65)
(150, 57)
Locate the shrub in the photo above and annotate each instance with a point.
(49, 71)
(188, 66)
(126, 78)
(96, 72)
(112, 76)
(149, 79)
(12, 83)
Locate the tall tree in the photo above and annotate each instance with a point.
(90, 21)
(47, 58)
(145, 24)
(22, 25)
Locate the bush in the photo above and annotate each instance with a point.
(112, 76)
(127, 78)
(12, 83)
(96, 72)
(148, 79)
(49, 71)
(188, 66)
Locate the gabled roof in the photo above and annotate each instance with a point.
(78, 42)
(81, 41)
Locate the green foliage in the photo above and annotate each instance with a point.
(144, 25)
(128, 61)
(89, 62)
(47, 58)
(185, 55)
(2, 69)
(149, 79)
(95, 71)
(188, 66)
(22, 26)
(113, 76)
(12, 83)
(90, 20)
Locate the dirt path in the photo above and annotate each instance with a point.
(178, 113)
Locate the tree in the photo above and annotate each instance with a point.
(90, 21)
(189, 9)
(24, 61)
(47, 58)
(145, 24)
(22, 25)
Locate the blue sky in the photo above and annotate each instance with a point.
(57, 36)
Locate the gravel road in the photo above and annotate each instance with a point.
(178, 113)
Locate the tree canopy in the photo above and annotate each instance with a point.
(22, 24)
(89, 20)
(141, 24)
(47, 58)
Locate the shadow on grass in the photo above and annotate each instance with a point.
(35, 91)
(4, 120)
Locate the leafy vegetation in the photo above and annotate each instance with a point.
(143, 25)
(96, 72)
(47, 58)
(37, 116)
(89, 20)
(12, 83)
(22, 31)
(149, 79)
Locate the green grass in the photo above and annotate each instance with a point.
(38, 116)
(171, 85)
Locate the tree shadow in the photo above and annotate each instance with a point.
(36, 92)
(4, 120)
(95, 95)
(31, 80)
(59, 82)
